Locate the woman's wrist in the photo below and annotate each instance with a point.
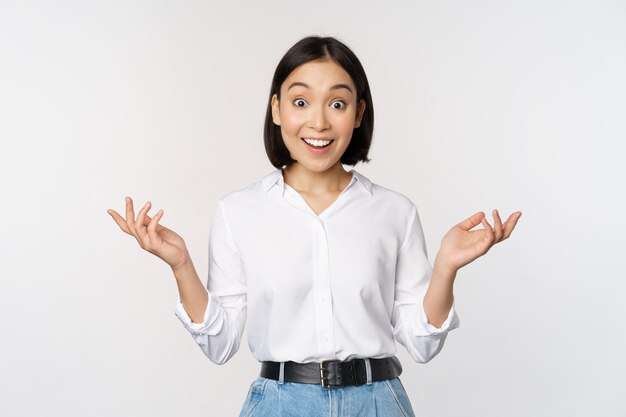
(443, 269)
(183, 266)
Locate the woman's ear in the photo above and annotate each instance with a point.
(275, 110)
(359, 114)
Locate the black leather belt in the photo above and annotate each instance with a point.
(333, 373)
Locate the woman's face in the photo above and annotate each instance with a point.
(317, 105)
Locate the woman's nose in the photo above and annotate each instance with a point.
(319, 119)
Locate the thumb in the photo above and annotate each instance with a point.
(472, 221)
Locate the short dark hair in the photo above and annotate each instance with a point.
(309, 49)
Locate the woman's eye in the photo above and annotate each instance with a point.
(338, 104)
(299, 102)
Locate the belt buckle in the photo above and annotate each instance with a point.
(324, 375)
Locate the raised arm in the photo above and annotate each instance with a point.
(193, 295)
(215, 317)
(459, 247)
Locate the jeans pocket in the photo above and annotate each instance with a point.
(401, 397)
(254, 397)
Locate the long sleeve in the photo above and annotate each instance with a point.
(219, 335)
(410, 324)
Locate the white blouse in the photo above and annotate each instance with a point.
(345, 284)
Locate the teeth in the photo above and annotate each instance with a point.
(316, 142)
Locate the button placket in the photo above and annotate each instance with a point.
(322, 296)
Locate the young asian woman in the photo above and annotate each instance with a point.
(327, 268)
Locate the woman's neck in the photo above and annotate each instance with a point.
(311, 182)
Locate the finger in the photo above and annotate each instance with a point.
(130, 221)
(497, 225)
(159, 227)
(140, 224)
(471, 221)
(152, 227)
(119, 220)
(130, 214)
(488, 228)
(510, 223)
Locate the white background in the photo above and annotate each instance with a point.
(516, 105)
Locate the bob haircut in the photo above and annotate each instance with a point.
(309, 49)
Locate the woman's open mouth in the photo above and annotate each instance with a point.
(317, 145)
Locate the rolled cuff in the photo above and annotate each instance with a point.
(422, 327)
(211, 323)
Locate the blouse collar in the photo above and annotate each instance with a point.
(276, 178)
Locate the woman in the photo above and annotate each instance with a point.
(328, 268)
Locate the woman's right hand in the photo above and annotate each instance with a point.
(152, 237)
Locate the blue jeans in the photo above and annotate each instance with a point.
(267, 398)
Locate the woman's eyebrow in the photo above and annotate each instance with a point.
(334, 87)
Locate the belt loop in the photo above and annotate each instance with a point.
(368, 371)
(281, 374)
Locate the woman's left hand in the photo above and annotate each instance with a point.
(461, 245)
